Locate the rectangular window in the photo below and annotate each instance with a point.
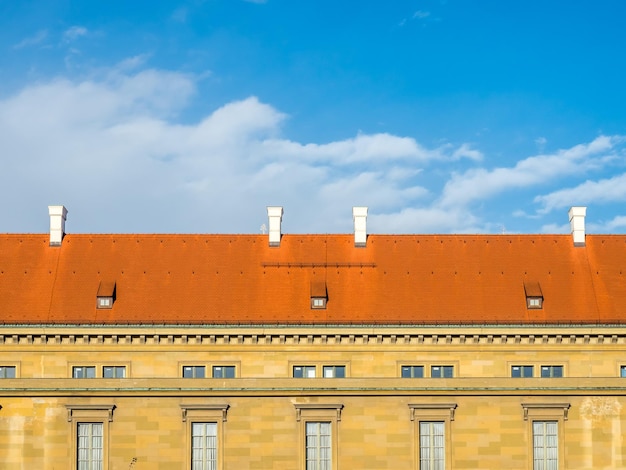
(7, 372)
(338, 372)
(223, 372)
(622, 371)
(412, 371)
(432, 445)
(89, 446)
(193, 372)
(84, 372)
(545, 445)
(307, 372)
(442, 371)
(552, 371)
(203, 446)
(115, 372)
(318, 445)
(522, 371)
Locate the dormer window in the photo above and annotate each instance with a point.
(534, 296)
(106, 295)
(319, 295)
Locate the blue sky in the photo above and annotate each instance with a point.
(450, 116)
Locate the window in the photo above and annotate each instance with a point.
(204, 426)
(442, 371)
(90, 428)
(7, 372)
(431, 433)
(338, 372)
(412, 371)
(545, 445)
(522, 371)
(304, 372)
(116, 372)
(534, 295)
(622, 371)
(203, 446)
(546, 422)
(223, 372)
(318, 302)
(432, 445)
(319, 294)
(318, 445)
(193, 372)
(89, 446)
(552, 371)
(318, 434)
(106, 294)
(84, 372)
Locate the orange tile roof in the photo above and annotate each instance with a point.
(239, 279)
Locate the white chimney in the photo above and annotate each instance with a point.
(577, 224)
(275, 215)
(58, 214)
(359, 215)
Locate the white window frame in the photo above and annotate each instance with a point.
(89, 445)
(545, 438)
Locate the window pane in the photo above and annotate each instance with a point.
(223, 372)
(545, 445)
(190, 372)
(203, 446)
(318, 446)
(89, 446)
(304, 371)
(432, 445)
(412, 371)
(7, 372)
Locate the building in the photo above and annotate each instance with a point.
(325, 352)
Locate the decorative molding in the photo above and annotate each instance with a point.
(431, 407)
(318, 406)
(223, 408)
(74, 407)
(323, 335)
(546, 406)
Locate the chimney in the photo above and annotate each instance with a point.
(359, 215)
(58, 214)
(275, 215)
(577, 224)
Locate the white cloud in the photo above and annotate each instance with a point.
(602, 191)
(421, 14)
(478, 184)
(111, 148)
(38, 38)
(73, 33)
